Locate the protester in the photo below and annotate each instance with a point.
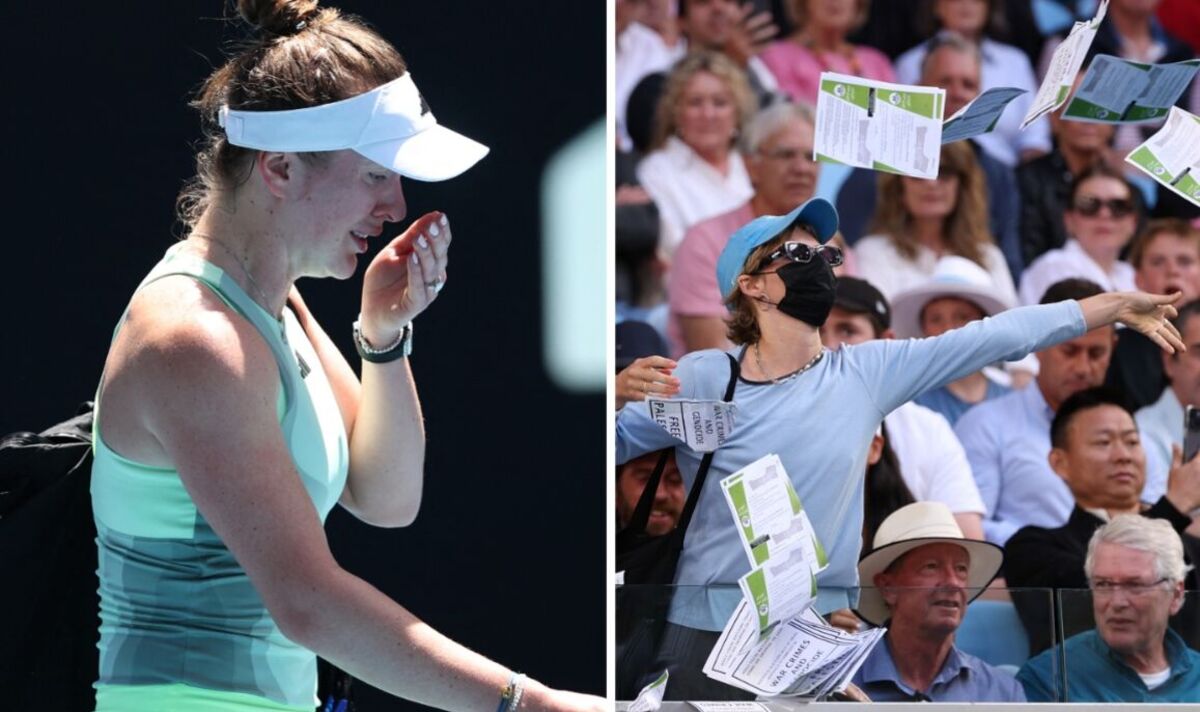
(929, 458)
(924, 573)
(777, 149)
(1136, 572)
(780, 285)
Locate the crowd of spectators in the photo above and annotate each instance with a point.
(1026, 458)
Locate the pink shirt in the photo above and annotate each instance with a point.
(798, 70)
(692, 283)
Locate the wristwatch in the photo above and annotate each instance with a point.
(398, 349)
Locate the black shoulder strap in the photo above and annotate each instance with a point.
(641, 513)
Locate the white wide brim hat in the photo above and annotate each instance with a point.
(390, 124)
(908, 528)
(955, 277)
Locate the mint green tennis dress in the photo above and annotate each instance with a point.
(181, 627)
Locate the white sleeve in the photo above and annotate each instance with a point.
(932, 461)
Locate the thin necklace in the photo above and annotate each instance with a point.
(266, 301)
(781, 379)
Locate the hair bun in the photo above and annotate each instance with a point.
(278, 17)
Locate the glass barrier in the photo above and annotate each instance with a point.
(1114, 635)
(675, 628)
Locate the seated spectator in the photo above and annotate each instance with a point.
(1045, 183)
(958, 293)
(980, 22)
(1165, 259)
(951, 63)
(777, 147)
(917, 221)
(930, 459)
(884, 489)
(1097, 451)
(728, 27)
(648, 42)
(1161, 423)
(693, 172)
(1008, 439)
(668, 499)
(1100, 218)
(924, 574)
(1135, 569)
(818, 44)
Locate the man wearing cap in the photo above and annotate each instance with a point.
(1135, 569)
(924, 573)
(1007, 439)
(777, 148)
(932, 461)
(958, 293)
(1097, 451)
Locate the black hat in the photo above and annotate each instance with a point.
(858, 296)
(636, 339)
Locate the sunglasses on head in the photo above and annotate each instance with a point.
(1090, 207)
(803, 252)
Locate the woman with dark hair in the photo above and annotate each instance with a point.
(918, 221)
(817, 410)
(228, 424)
(1102, 216)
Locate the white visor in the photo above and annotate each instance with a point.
(391, 125)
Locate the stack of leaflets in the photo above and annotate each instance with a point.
(775, 645)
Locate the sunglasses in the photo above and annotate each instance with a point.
(803, 252)
(1117, 207)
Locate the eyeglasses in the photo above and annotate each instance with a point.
(1133, 589)
(1090, 207)
(802, 252)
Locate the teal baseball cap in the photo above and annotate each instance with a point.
(817, 213)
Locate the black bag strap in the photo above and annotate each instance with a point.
(641, 513)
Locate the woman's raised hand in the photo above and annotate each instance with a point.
(1150, 314)
(405, 277)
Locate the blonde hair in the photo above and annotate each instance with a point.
(719, 66)
(965, 230)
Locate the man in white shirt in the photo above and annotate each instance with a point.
(1161, 423)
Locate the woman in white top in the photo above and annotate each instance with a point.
(1100, 219)
(693, 171)
(1002, 66)
(918, 221)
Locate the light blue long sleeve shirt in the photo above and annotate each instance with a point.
(1007, 442)
(820, 423)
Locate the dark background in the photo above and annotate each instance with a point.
(508, 553)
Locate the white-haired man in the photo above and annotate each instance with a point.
(1135, 569)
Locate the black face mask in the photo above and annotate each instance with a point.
(811, 288)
